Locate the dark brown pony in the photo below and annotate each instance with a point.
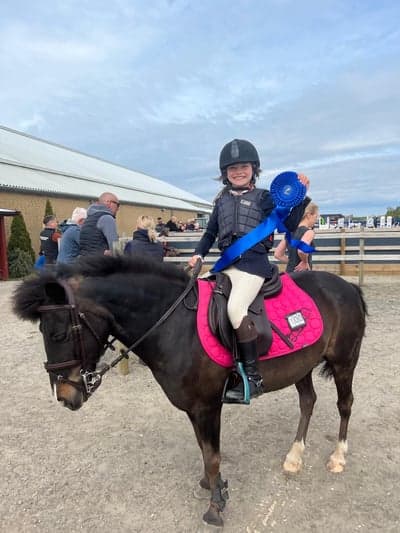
(79, 309)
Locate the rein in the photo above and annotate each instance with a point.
(124, 353)
(92, 380)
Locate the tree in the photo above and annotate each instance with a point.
(19, 264)
(19, 237)
(393, 211)
(19, 250)
(48, 209)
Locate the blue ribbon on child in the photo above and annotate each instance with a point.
(287, 192)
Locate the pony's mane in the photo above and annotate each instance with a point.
(31, 293)
(103, 266)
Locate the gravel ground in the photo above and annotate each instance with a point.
(128, 460)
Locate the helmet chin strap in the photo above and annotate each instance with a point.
(241, 188)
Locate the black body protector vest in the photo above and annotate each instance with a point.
(91, 239)
(48, 247)
(237, 215)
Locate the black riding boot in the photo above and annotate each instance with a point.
(247, 344)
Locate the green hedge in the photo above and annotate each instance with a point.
(20, 264)
(19, 250)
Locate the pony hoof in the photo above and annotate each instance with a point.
(211, 527)
(206, 528)
(204, 483)
(212, 519)
(201, 494)
(335, 467)
(292, 467)
(294, 458)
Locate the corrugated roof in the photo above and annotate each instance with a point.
(8, 212)
(31, 164)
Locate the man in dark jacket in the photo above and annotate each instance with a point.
(172, 224)
(49, 239)
(99, 231)
(160, 225)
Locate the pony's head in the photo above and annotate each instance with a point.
(75, 332)
(79, 306)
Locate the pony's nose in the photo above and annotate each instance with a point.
(68, 396)
(71, 403)
(73, 406)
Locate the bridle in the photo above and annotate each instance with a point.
(91, 380)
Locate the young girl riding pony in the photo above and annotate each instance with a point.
(238, 209)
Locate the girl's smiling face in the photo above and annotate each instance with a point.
(240, 175)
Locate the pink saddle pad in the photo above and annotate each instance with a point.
(280, 308)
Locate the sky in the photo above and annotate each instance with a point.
(161, 86)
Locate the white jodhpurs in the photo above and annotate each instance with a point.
(245, 288)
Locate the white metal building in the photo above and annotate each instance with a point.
(31, 164)
(33, 171)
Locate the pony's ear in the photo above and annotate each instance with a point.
(34, 292)
(55, 293)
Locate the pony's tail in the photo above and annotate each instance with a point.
(326, 370)
(360, 293)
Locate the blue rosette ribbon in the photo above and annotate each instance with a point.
(287, 192)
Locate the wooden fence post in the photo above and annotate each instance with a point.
(123, 365)
(361, 262)
(342, 252)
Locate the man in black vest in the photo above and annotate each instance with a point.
(99, 231)
(49, 239)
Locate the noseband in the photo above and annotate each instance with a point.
(91, 380)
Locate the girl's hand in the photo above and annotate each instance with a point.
(193, 260)
(304, 180)
(303, 265)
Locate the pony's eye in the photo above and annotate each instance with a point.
(59, 336)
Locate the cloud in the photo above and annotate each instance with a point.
(364, 141)
(161, 87)
(36, 123)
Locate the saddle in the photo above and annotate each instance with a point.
(218, 317)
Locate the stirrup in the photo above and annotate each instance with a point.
(258, 384)
(236, 394)
(236, 379)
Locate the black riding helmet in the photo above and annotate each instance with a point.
(238, 151)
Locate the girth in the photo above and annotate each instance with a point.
(218, 316)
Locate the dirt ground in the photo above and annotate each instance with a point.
(128, 460)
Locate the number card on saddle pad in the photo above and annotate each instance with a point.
(292, 311)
